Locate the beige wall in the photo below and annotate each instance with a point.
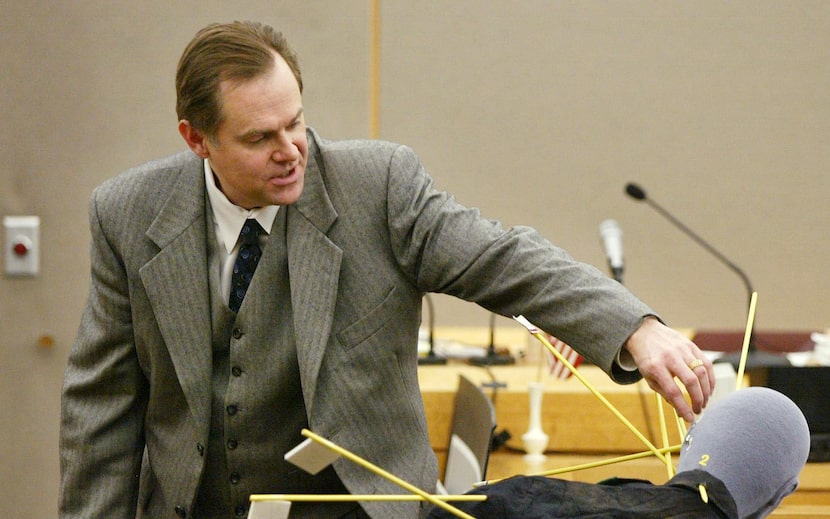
(538, 112)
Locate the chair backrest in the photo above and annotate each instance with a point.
(471, 434)
(463, 469)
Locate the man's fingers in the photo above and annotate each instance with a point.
(704, 375)
(697, 394)
(666, 386)
(707, 385)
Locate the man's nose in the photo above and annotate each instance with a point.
(285, 149)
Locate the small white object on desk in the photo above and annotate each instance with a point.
(535, 440)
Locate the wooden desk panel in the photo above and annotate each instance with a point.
(574, 419)
(786, 511)
(813, 486)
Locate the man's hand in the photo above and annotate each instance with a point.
(661, 354)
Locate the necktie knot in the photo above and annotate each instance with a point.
(250, 232)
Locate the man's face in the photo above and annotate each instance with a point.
(260, 151)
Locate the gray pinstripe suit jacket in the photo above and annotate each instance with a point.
(368, 237)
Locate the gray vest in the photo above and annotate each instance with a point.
(257, 407)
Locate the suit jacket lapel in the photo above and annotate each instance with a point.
(314, 270)
(176, 281)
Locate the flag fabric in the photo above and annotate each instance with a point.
(557, 368)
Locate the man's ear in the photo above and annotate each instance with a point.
(194, 138)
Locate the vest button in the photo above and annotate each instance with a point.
(237, 333)
(234, 478)
(181, 511)
(232, 409)
(200, 449)
(237, 371)
(239, 510)
(232, 444)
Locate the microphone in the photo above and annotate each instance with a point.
(492, 357)
(754, 358)
(431, 358)
(611, 235)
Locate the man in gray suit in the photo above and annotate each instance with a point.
(180, 401)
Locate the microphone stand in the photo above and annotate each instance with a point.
(432, 358)
(755, 358)
(492, 358)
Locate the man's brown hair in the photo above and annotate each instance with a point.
(219, 52)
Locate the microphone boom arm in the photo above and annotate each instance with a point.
(700, 241)
(756, 359)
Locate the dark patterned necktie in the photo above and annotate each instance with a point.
(246, 262)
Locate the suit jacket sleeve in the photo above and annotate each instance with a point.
(452, 249)
(104, 396)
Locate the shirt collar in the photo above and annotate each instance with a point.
(229, 217)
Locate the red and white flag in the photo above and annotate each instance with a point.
(557, 368)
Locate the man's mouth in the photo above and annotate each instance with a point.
(285, 177)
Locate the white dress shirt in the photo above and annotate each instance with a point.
(229, 219)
